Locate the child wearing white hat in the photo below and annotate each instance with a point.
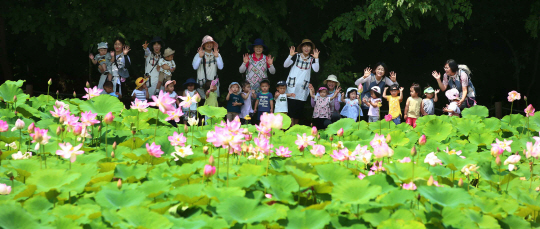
(452, 108)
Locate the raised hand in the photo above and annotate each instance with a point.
(315, 54)
(367, 72)
(216, 52)
(393, 76)
(311, 87)
(401, 89)
(230, 91)
(436, 75)
(270, 60)
(145, 45)
(200, 50)
(112, 54)
(437, 91)
(291, 51)
(126, 50)
(246, 58)
(91, 56)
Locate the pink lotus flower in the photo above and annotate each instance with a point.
(338, 155)
(40, 137)
(318, 150)
(314, 131)
(139, 105)
(452, 152)
(505, 144)
(409, 186)
(177, 139)
(511, 161)
(88, 118)
(221, 137)
(233, 126)
(304, 140)
(274, 121)
(69, 151)
(154, 150)
(19, 125)
(361, 176)
(513, 95)
(422, 140)
(174, 114)
(533, 150)
(92, 92)
(209, 170)
(468, 169)
(268, 196)
(340, 132)
(77, 129)
(3, 126)
(432, 159)
(263, 146)
(69, 120)
(529, 111)
(371, 173)
(182, 152)
(109, 118)
(377, 168)
(59, 112)
(377, 141)
(264, 131)
(405, 160)
(362, 154)
(188, 100)
(383, 151)
(163, 101)
(21, 156)
(388, 117)
(496, 150)
(283, 152)
(31, 128)
(5, 189)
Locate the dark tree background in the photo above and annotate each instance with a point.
(498, 40)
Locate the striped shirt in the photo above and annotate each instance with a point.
(141, 95)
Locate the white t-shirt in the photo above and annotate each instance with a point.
(166, 62)
(173, 95)
(141, 95)
(281, 104)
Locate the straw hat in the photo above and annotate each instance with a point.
(331, 78)
(298, 48)
(207, 39)
(140, 81)
(168, 52)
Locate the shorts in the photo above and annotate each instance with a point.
(411, 122)
(397, 120)
(163, 77)
(232, 115)
(295, 108)
(373, 118)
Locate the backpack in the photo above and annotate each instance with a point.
(471, 91)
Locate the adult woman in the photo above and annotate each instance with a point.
(257, 64)
(369, 80)
(331, 83)
(151, 68)
(119, 65)
(455, 77)
(208, 55)
(299, 77)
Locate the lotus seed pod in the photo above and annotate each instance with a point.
(332, 138)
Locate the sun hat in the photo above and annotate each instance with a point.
(156, 39)
(168, 52)
(207, 39)
(429, 90)
(170, 82)
(322, 88)
(191, 81)
(331, 78)
(234, 83)
(102, 45)
(452, 94)
(140, 81)
(257, 41)
(281, 83)
(304, 42)
(350, 90)
(376, 89)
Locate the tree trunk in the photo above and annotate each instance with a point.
(4, 63)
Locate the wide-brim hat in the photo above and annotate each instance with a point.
(376, 89)
(170, 82)
(156, 39)
(191, 81)
(258, 41)
(234, 83)
(207, 39)
(331, 78)
(452, 94)
(168, 52)
(349, 90)
(140, 81)
(281, 83)
(305, 41)
(102, 45)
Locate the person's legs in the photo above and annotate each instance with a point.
(365, 110)
(397, 120)
(373, 118)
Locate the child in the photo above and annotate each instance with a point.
(234, 101)
(248, 95)
(452, 108)
(373, 103)
(207, 61)
(281, 98)
(413, 105)
(167, 67)
(190, 112)
(394, 100)
(351, 108)
(428, 104)
(265, 100)
(169, 88)
(109, 90)
(102, 58)
(322, 105)
(141, 91)
(210, 88)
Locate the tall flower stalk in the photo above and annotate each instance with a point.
(513, 95)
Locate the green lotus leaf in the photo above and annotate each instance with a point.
(347, 192)
(49, 179)
(286, 121)
(384, 181)
(481, 138)
(299, 129)
(28, 111)
(460, 217)
(345, 123)
(221, 194)
(514, 222)
(508, 123)
(12, 88)
(398, 197)
(141, 217)
(445, 196)
(125, 171)
(251, 169)
(115, 199)
(6, 113)
(102, 105)
(183, 172)
(81, 214)
(243, 181)
(65, 223)
(192, 194)
(454, 162)
(307, 219)
(466, 126)
(243, 210)
(404, 171)
(211, 111)
(37, 204)
(437, 130)
(13, 216)
(401, 224)
(480, 111)
(334, 173)
(154, 188)
(281, 187)
(42, 101)
(398, 138)
(492, 124)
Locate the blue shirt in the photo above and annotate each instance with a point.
(113, 94)
(264, 101)
(234, 98)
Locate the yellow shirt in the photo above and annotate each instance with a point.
(414, 107)
(395, 109)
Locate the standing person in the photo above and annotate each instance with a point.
(119, 65)
(394, 102)
(428, 104)
(265, 100)
(378, 78)
(102, 58)
(248, 95)
(190, 112)
(257, 64)
(322, 106)
(281, 98)
(413, 107)
(331, 83)
(141, 91)
(374, 104)
(166, 68)
(207, 61)
(458, 77)
(300, 76)
(151, 67)
(351, 109)
(234, 101)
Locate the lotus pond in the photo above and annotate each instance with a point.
(92, 163)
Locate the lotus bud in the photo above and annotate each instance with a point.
(58, 130)
(525, 98)
(133, 132)
(49, 82)
(314, 131)
(537, 188)
(430, 181)
(119, 184)
(205, 150)
(87, 84)
(340, 132)
(99, 128)
(301, 148)
(438, 150)
(460, 183)
(209, 170)
(14, 98)
(74, 94)
(413, 151)
(109, 118)
(185, 128)
(19, 124)
(332, 138)
(77, 130)
(57, 92)
(248, 137)
(422, 140)
(318, 136)
(112, 154)
(211, 160)
(388, 138)
(114, 145)
(498, 160)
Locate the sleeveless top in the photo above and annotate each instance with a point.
(395, 109)
(256, 72)
(414, 107)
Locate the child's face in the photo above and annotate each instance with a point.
(352, 95)
(169, 58)
(394, 93)
(191, 87)
(258, 49)
(157, 47)
(282, 89)
(373, 95)
(142, 87)
(265, 87)
(213, 88)
(108, 89)
(429, 95)
(323, 93)
(235, 88)
(247, 88)
(170, 88)
(413, 92)
(208, 46)
(306, 49)
(102, 51)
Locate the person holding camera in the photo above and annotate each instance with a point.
(151, 67)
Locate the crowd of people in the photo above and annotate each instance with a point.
(252, 97)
